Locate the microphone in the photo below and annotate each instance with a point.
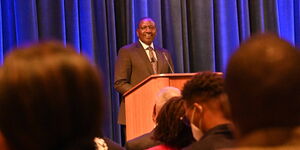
(166, 58)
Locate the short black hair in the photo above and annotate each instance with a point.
(141, 19)
(205, 85)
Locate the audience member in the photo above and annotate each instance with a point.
(146, 141)
(207, 110)
(171, 130)
(162, 97)
(50, 99)
(262, 81)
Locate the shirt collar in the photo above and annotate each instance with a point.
(145, 46)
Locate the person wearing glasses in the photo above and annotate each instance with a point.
(137, 61)
(207, 112)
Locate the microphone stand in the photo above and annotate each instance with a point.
(168, 62)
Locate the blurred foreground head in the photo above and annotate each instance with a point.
(50, 98)
(263, 84)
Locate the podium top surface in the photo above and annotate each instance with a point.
(168, 75)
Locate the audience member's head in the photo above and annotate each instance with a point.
(50, 98)
(206, 102)
(263, 81)
(170, 129)
(162, 97)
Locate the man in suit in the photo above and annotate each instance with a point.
(139, 60)
(263, 84)
(207, 110)
(146, 141)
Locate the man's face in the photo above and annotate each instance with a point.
(146, 31)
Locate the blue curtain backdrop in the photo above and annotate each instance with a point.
(200, 34)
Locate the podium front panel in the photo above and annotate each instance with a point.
(140, 104)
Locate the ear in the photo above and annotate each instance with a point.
(137, 33)
(199, 107)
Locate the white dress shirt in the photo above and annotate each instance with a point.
(145, 46)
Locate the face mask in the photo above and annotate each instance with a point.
(197, 132)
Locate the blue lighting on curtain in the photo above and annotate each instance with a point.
(244, 21)
(51, 20)
(297, 22)
(26, 21)
(1, 37)
(262, 16)
(285, 12)
(226, 31)
(86, 22)
(72, 24)
(155, 12)
(139, 10)
(8, 25)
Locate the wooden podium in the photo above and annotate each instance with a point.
(140, 99)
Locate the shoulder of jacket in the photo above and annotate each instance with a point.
(130, 46)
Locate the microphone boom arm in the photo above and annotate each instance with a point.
(168, 62)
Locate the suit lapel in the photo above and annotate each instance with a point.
(144, 57)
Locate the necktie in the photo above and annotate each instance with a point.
(152, 59)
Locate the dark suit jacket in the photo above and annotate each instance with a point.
(133, 66)
(216, 138)
(141, 142)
